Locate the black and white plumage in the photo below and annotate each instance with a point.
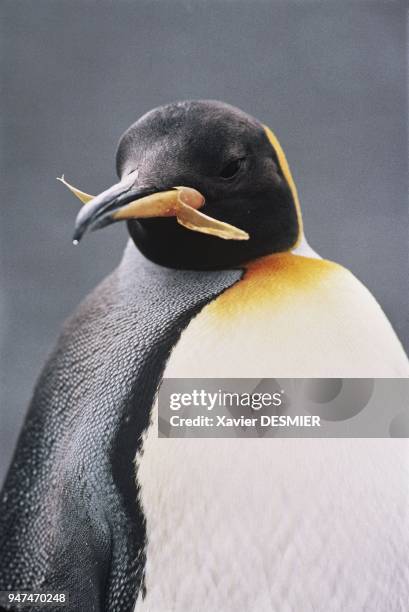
(97, 505)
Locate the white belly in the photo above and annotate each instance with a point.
(275, 525)
(278, 525)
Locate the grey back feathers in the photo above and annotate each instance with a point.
(69, 518)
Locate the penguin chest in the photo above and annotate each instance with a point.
(273, 524)
(290, 316)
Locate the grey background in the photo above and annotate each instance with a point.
(328, 77)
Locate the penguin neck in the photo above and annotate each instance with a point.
(134, 258)
(303, 248)
(281, 265)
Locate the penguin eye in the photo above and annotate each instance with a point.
(231, 169)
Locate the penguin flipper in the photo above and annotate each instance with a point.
(63, 523)
(70, 518)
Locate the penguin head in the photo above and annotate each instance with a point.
(202, 185)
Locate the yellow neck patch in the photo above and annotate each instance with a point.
(272, 282)
(285, 168)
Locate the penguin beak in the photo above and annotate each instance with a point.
(122, 201)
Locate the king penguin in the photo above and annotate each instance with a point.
(217, 280)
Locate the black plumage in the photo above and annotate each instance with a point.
(69, 515)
